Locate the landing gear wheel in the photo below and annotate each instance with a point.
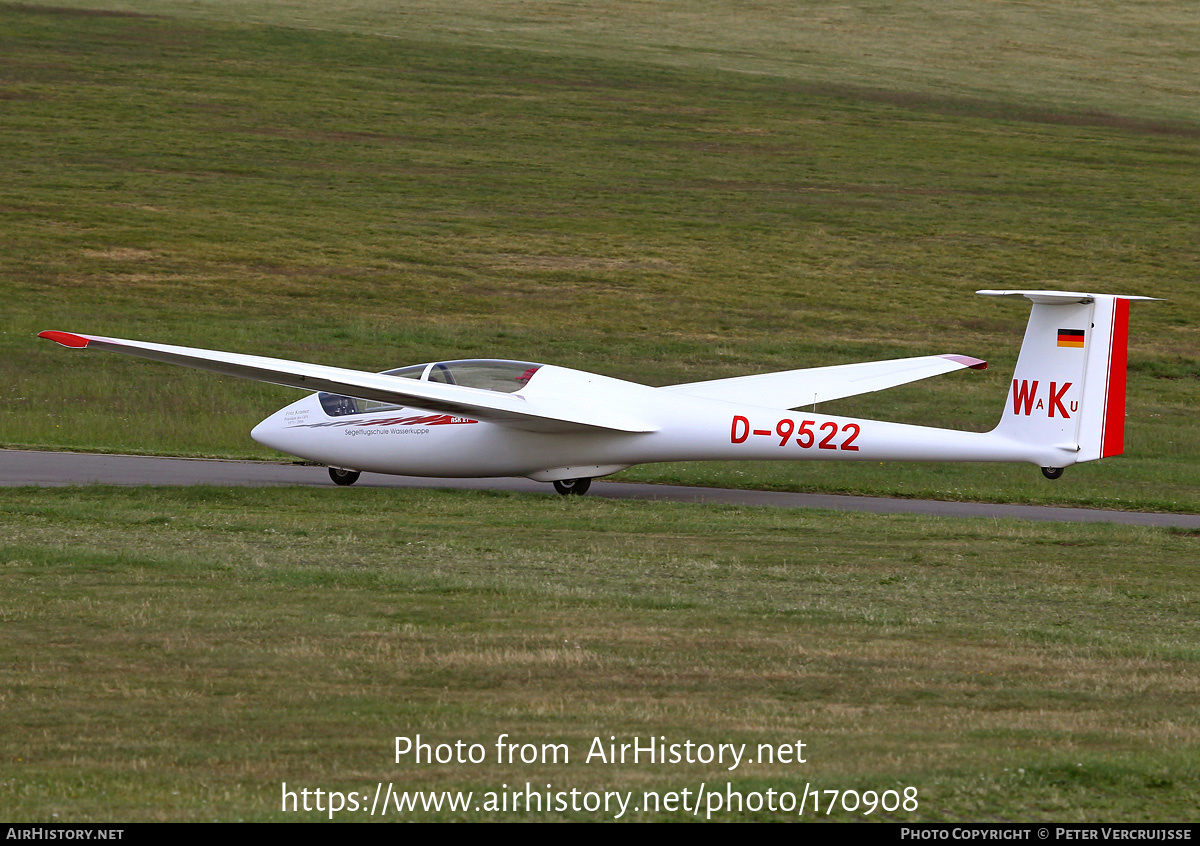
(343, 477)
(576, 487)
(1052, 472)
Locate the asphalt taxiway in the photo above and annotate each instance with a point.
(22, 467)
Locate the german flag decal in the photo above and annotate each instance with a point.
(1070, 338)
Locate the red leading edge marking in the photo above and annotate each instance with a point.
(1113, 439)
(64, 338)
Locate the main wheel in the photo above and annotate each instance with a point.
(1052, 472)
(343, 477)
(578, 487)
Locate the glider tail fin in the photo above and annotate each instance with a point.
(1068, 391)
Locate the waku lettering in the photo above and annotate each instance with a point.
(1026, 401)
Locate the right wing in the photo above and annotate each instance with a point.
(548, 413)
(797, 388)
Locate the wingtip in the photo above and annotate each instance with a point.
(65, 338)
(967, 361)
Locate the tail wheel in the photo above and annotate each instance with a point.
(577, 487)
(1052, 472)
(343, 477)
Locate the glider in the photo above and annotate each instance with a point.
(491, 418)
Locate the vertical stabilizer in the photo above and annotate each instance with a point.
(1068, 390)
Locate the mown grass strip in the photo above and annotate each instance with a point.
(176, 654)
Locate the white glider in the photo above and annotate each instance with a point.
(489, 418)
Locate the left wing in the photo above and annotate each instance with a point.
(796, 388)
(566, 410)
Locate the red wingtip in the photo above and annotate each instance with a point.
(967, 361)
(65, 338)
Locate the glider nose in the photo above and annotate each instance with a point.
(263, 431)
(290, 428)
(260, 431)
(271, 433)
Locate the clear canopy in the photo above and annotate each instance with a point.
(485, 373)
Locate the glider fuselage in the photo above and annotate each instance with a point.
(417, 442)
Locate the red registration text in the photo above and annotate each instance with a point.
(829, 435)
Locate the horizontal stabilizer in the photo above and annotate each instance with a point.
(1058, 297)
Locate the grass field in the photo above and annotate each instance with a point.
(662, 192)
(178, 654)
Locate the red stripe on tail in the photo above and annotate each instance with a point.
(1113, 441)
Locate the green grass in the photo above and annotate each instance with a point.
(340, 196)
(179, 653)
(1101, 59)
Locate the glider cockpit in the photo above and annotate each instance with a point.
(487, 374)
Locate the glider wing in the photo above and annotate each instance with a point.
(797, 388)
(545, 414)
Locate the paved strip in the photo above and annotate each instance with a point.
(21, 467)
